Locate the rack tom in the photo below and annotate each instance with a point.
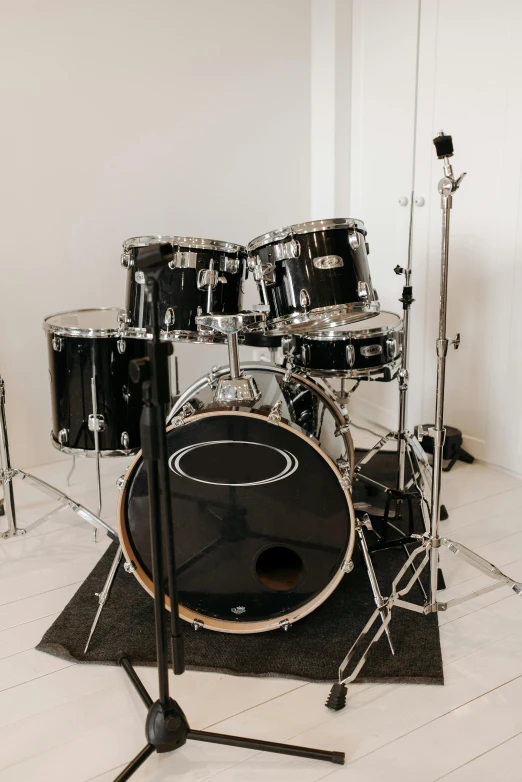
(93, 398)
(203, 277)
(367, 350)
(313, 276)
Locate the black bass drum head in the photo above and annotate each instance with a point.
(262, 522)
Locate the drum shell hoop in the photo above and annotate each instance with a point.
(118, 399)
(326, 287)
(179, 293)
(217, 623)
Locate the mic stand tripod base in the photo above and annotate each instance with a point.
(167, 729)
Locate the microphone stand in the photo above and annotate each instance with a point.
(166, 726)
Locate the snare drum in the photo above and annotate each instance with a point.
(91, 391)
(314, 275)
(203, 277)
(368, 350)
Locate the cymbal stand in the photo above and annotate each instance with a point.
(167, 728)
(8, 473)
(430, 543)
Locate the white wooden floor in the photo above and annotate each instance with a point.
(73, 723)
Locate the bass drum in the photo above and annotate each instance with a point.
(264, 521)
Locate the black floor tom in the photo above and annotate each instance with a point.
(93, 398)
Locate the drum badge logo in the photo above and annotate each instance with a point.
(238, 610)
(288, 463)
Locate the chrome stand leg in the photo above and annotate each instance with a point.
(380, 602)
(96, 425)
(69, 474)
(7, 472)
(104, 594)
(63, 499)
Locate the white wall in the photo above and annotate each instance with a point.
(122, 118)
(470, 84)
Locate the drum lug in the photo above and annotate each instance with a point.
(185, 259)
(63, 436)
(209, 278)
(344, 468)
(212, 377)
(354, 240)
(129, 567)
(185, 412)
(169, 317)
(125, 440)
(350, 355)
(126, 259)
(121, 345)
(343, 429)
(391, 347)
(286, 343)
(121, 482)
(96, 423)
(123, 318)
(285, 251)
(230, 265)
(196, 624)
(304, 298)
(274, 415)
(363, 290)
(305, 354)
(347, 566)
(57, 344)
(284, 624)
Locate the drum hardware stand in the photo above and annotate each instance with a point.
(431, 542)
(8, 473)
(167, 728)
(238, 387)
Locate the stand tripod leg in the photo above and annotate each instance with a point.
(134, 765)
(267, 746)
(63, 499)
(7, 472)
(380, 602)
(73, 467)
(103, 596)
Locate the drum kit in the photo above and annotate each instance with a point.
(261, 461)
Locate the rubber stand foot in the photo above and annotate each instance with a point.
(337, 698)
(444, 515)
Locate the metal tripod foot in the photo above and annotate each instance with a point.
(103, 596)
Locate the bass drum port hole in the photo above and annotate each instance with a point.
(279, 568)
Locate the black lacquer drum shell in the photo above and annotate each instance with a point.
(258, 541)
(82, 346)
(314, 274)
(204, 277)
(364, 350)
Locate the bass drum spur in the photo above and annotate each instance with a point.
(263, 517)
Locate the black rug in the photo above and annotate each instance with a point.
(312, 649)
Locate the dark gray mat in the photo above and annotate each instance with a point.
(311, 650)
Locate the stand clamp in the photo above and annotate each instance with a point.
(238, 388)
